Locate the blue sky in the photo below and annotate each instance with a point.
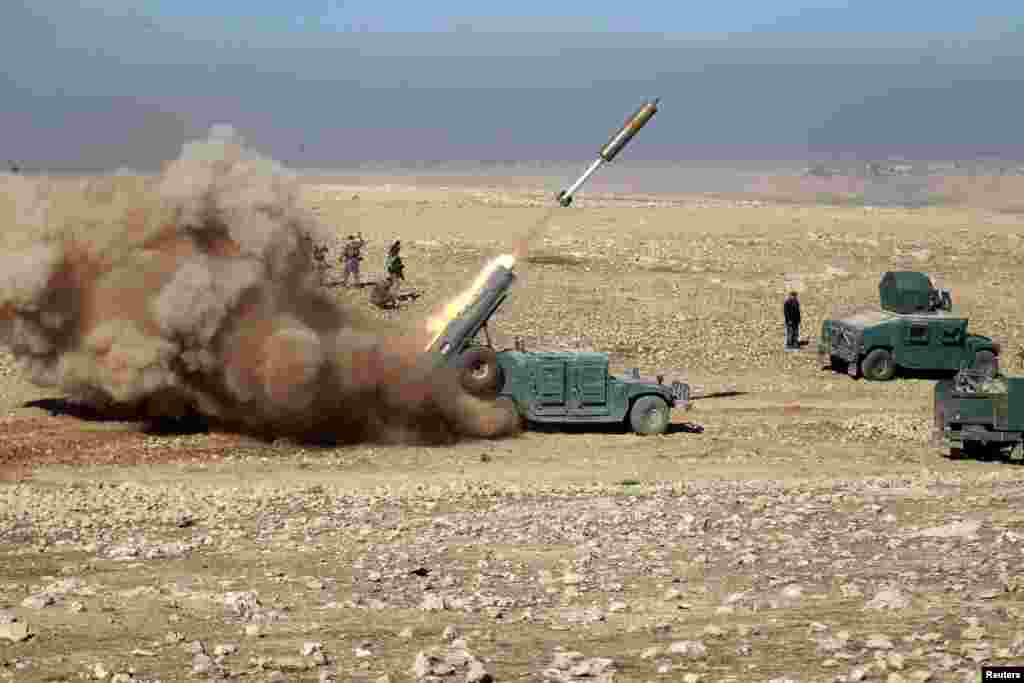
(99, 83)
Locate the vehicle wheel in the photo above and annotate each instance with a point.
(649, 415)
(878, 366)
(479, 370)
(505, 420)
(985, 362)
(837, 363)
(981, 451)
(955, 453)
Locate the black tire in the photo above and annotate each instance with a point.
(478, 371)
(878, 366)
(978, 450)
(649, 415)
(837, 363)
(985, 361)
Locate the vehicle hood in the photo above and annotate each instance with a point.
(863, 319)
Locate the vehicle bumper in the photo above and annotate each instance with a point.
(827, 351)
(957, 438)
(680, 395)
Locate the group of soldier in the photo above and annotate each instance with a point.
(384, 293)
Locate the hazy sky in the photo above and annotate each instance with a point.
(110, 83)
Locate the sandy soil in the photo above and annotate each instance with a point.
(809, 533)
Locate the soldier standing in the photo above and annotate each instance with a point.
(791, 313)
(351, 257)
(320, 256)
(393, 263)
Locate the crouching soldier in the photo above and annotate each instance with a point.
(383, 294)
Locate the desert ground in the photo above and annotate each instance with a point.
(810, 532)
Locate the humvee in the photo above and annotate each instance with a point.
(549, 387)
(914, 328)
(980, 415)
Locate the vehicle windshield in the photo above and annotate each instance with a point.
(973, 382)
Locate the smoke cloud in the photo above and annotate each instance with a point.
(193, 292)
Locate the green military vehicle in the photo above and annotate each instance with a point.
(914, 328)
(980, 415)
(549, 387)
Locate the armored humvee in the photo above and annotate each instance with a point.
(549, 387)
(914, 328)
(980, 415)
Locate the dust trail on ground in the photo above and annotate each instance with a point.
(194, 291)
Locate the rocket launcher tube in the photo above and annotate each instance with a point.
(611, 148)
(461, 329)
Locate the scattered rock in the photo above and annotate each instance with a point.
(202, 663)
(966, 530)
(691, 649)
(888, 598)
(433, 603)
(226, 650)
(14, 631)
(878, 642)
(39, 601)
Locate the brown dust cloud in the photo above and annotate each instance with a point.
(192, 293)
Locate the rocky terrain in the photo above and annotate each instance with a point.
(809, 532)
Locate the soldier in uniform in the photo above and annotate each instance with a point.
(393, 263)
(320, 256)
(791, 314)
(382, 295)
(351, 257)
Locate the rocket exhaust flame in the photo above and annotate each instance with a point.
(455, 307)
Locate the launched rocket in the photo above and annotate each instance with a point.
(614, 145)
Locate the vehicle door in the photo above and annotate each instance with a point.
(590, 388)
(550, 387)
(917, 348)
(952, 345)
